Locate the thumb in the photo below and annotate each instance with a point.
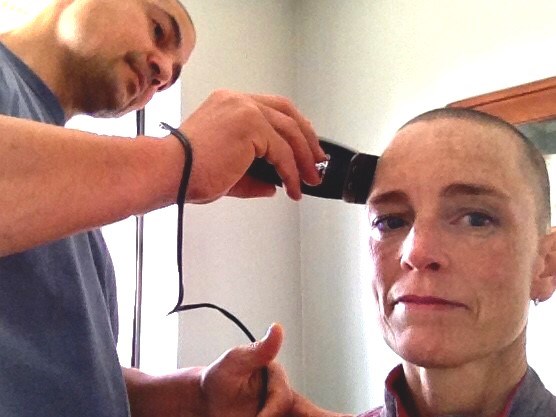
(248, 358)
(266, 349)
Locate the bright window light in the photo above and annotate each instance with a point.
(14, 13)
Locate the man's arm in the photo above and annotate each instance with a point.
(229, 387)
(55, 182)
(176, 395)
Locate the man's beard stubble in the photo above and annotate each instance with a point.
(96, 87)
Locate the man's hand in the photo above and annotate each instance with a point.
(232, 385)
(86, 181)
(229, 387)
(230, 129)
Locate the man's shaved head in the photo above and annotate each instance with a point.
(534, 163)
(186, 11)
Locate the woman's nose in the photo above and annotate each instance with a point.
(423, 249)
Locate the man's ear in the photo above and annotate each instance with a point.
(544, 283)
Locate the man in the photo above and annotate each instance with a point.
(460, 242)
(58, 312)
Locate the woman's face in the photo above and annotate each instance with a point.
(454, 242)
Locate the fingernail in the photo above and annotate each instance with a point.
(313, 181)
(319, 174)
(267, 334)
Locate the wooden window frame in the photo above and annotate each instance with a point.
(531, 102)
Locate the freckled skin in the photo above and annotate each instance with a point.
(487, 269)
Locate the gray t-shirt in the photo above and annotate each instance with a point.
(58, 310)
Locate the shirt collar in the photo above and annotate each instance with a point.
(396, 385)
(43, 92)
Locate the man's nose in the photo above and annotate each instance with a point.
(422, 249)
(160, 66)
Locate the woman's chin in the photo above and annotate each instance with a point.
(430, 351)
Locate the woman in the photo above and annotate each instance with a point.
(461, 245)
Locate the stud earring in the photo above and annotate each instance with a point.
(536, 301)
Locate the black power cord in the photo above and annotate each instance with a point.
(188, 150)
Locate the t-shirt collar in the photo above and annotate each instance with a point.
(396, 384)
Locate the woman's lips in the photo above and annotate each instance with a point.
(427, 301)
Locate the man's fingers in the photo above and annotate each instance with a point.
(280, 154)
(283, 105)
(248, 186)
(265, 350)
(230, 128)
(249, 358)
(236, 383)
(279, 397)
(290, 130)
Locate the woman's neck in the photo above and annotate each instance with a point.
(476, 389)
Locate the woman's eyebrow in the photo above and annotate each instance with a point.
(470, 189)
(451, 190)
(394, 196)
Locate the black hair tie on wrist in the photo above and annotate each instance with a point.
(188, 151)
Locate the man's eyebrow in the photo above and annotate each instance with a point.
(178, 39)
(176, 29)
(469, 189)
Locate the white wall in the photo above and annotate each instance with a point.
(361, 69)
(365, 67)
(242, 255)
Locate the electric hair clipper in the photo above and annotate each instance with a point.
(346, 175)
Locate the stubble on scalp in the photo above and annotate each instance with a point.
(181, 5)
(534, 165)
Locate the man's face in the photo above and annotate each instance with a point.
(453, 242)
(120, 53)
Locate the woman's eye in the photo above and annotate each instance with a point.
(478, 219)
(388, 223)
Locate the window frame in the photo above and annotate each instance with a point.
(526, 103)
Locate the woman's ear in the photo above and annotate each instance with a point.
(544, 283)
